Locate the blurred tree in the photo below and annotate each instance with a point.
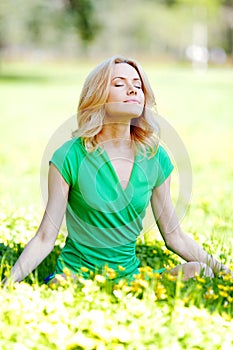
(2, 41)
(153, 27)
(83, 14)
(42, 21)
(227, 2)
(227, 14)
(169, 2)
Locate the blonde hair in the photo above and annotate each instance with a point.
(91, 108)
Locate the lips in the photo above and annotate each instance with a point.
(131, 101)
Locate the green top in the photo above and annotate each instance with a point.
(104, 220)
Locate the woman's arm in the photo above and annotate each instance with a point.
(175, 239)
(43, 242)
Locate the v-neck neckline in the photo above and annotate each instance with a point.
(102, 151)
(124, 190)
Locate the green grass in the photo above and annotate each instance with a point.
(153, 313)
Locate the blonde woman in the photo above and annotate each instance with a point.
(105, 177)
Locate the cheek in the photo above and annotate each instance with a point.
(113, 96)
(143, 98)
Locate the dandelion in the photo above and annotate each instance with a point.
(166, 251)
(110, 273)
(135, 287)
(84, 269)
(226, 288)
(210, 294)
(158, 276)
(170, 277)
(199, 279)
(145, 271)
(126, 289)
(223, 294)
(227, 277)
(160, 291)
(226, 316)
(121, 268)
(67, 272)
(143, 283)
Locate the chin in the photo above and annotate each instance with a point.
(123, 111)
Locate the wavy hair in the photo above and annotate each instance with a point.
(91, 108)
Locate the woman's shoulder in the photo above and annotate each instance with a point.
(73, 144)
(160, 156)
(156, 152)
(161, 151)
(69, 149)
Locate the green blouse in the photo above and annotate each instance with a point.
(103, 219)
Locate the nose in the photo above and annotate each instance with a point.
(132, 90)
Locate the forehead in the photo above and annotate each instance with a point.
(125, 70)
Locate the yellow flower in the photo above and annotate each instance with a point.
(110, 273)
(199, 279)
(226, 288)
(143, 283)
(226, 316)
(210, 294)
(227, 277)
(67, 272)
(166, 251)
(126, 289)
(223, 294)
(121, 268)
(171, 264)
(158, 276)
(160, 291)
(170, 277)
(135, 287)
(59, 278)
(84, 269)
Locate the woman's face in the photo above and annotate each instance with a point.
(126, 98)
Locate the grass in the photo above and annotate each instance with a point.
(152, 313)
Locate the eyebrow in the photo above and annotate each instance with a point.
(123, 78)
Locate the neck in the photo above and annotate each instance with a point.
(115, 133)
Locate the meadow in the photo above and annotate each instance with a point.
(152, 312)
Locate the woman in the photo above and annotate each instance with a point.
(105, 177)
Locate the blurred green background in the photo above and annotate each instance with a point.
(155, 29)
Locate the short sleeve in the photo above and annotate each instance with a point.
(62, 159)
(164, 166)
